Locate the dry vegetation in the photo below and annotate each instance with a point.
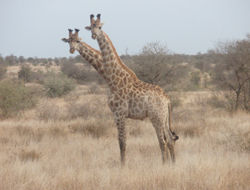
(71, 143)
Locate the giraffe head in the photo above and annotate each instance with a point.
(95, 26)
(73, 40)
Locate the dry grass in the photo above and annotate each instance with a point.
(12, 71)
(61, 151)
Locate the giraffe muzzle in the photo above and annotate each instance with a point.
(72, 51)
(94, 36)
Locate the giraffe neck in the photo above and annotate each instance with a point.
(117, 73)
(92, 56)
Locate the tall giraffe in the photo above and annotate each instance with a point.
(132, 98)
(91, 55)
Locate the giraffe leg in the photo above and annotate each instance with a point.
(120, 122)
(170, 144)
(167, 152)
(159, 128)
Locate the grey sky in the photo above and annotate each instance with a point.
(35, 27)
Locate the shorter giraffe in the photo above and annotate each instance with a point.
(91, 55)
(132, 98)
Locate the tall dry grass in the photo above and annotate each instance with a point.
(59, 147)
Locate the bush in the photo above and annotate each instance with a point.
(14, 97)
(58, 84)
(93, 88)
(240, 141)
(79, 110)
(96, 106)
(38, 77)
(48, 110)
(25, 73)
(195, 77)
(223, 100)
(3, 70)
(81, 73)
(70, 69)
(93, 127)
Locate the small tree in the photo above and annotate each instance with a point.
(156, 65)
(14, 97)
(30, 59)
(233, 71)
(21, 59)
(58, 84)
(200, 65)
(11, 60)
(25, 73)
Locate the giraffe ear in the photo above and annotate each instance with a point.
(102, 24)
(65, 40)
(88, 28)
(80, 38)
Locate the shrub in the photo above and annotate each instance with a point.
(82, 73)
(224, 100)
(93, 127)
(79, 110)
(38, 77)
(96, 107)
(14, 97)
(48, 110)
(216, 102)
(241, 140)
(25, 73)
(3, 70)
(192, 87)
(79, 73)
(70, 69)
(58, 84)
(195, 77)
(93, 88)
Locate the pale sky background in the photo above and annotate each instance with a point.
(35, 27)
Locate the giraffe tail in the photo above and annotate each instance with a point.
(175, 137)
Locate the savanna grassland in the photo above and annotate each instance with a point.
(71, 143)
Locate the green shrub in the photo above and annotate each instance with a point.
(25, 73)
(14, 97)
(58, 84)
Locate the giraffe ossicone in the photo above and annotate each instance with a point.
(132, 98)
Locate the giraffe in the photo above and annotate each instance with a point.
(91, 55)
(133, 98)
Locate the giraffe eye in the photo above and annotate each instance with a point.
(78, 42)
(100, 28)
